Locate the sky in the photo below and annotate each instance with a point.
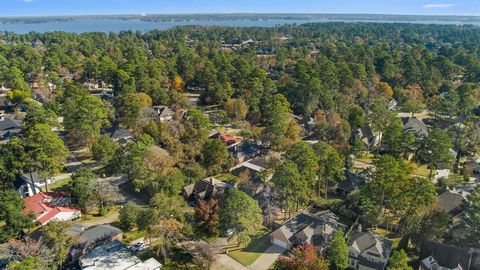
(100, 7)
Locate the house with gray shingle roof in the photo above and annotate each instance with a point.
(309, 227)
(435, 255)
(367, 251)
(415, 126)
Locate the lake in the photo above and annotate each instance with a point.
(115, 25)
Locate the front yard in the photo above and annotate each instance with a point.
(253, 250)
(60, 185)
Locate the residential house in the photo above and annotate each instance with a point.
(93, 237)
(9, 127)
(368, 251)
(392, 105)
(115, 256)
(98, 234)
(351, 183)
(256, 166)
(451, 202)
(29, 184)
(164, 113)
(366, 134)
(438, 256)
(121, 135)
(415, 126)
(204, 189)
(50, 206)
(245, 150)
(227, 139)
(309, 227)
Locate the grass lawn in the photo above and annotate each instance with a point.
(133, 235)
(422, 171)
(227, 177)
(60, 185)
(390, 235)
(366, 158)
(91, 218)
(253, 250)
(454, 179)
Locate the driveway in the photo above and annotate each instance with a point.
(225, 262)
(266, 260)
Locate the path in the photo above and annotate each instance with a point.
(266, 260)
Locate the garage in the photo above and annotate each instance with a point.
(279, 243)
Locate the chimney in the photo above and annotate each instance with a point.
(212, 180)
(359, 228)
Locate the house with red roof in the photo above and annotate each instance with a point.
(50, 206)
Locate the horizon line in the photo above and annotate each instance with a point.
(235, 13)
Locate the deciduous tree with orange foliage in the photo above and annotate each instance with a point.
(303, 257)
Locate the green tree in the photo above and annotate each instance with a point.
(278, 122)
(338, 251)
(331, 165)
(45, 150)
(57, 238)
(306, 160)
(84, 115)
(356, 116)
(413, 107)
(82, 182)
(397, 142)
(384, 191)
(12, 161)
(291, 186)
(240, 213)
(128, 215)
(215, 157)
(103, 149)
(399, 261)
(30, 263)
(11, 217)
(434, 150)
(128, 108)
(37, 114)
(471, 219)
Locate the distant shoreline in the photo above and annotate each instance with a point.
(240, 16)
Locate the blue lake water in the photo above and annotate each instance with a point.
(114, 25)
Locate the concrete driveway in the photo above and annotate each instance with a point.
(266, 260)
(225, 262)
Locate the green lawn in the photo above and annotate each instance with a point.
(133, 235)
(253, 250)
(454, 179)
(423, 171)
(227, 177)
(60, 185)
(366, 158)
(390, 235)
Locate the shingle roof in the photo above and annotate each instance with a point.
(446, 255)
(415, 126)
(121, 133)
(316, 228)
(97, 233)
(9, 123)
(368, 242)
(450, 201)
(205, 188)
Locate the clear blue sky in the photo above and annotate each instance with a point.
(89, 7)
